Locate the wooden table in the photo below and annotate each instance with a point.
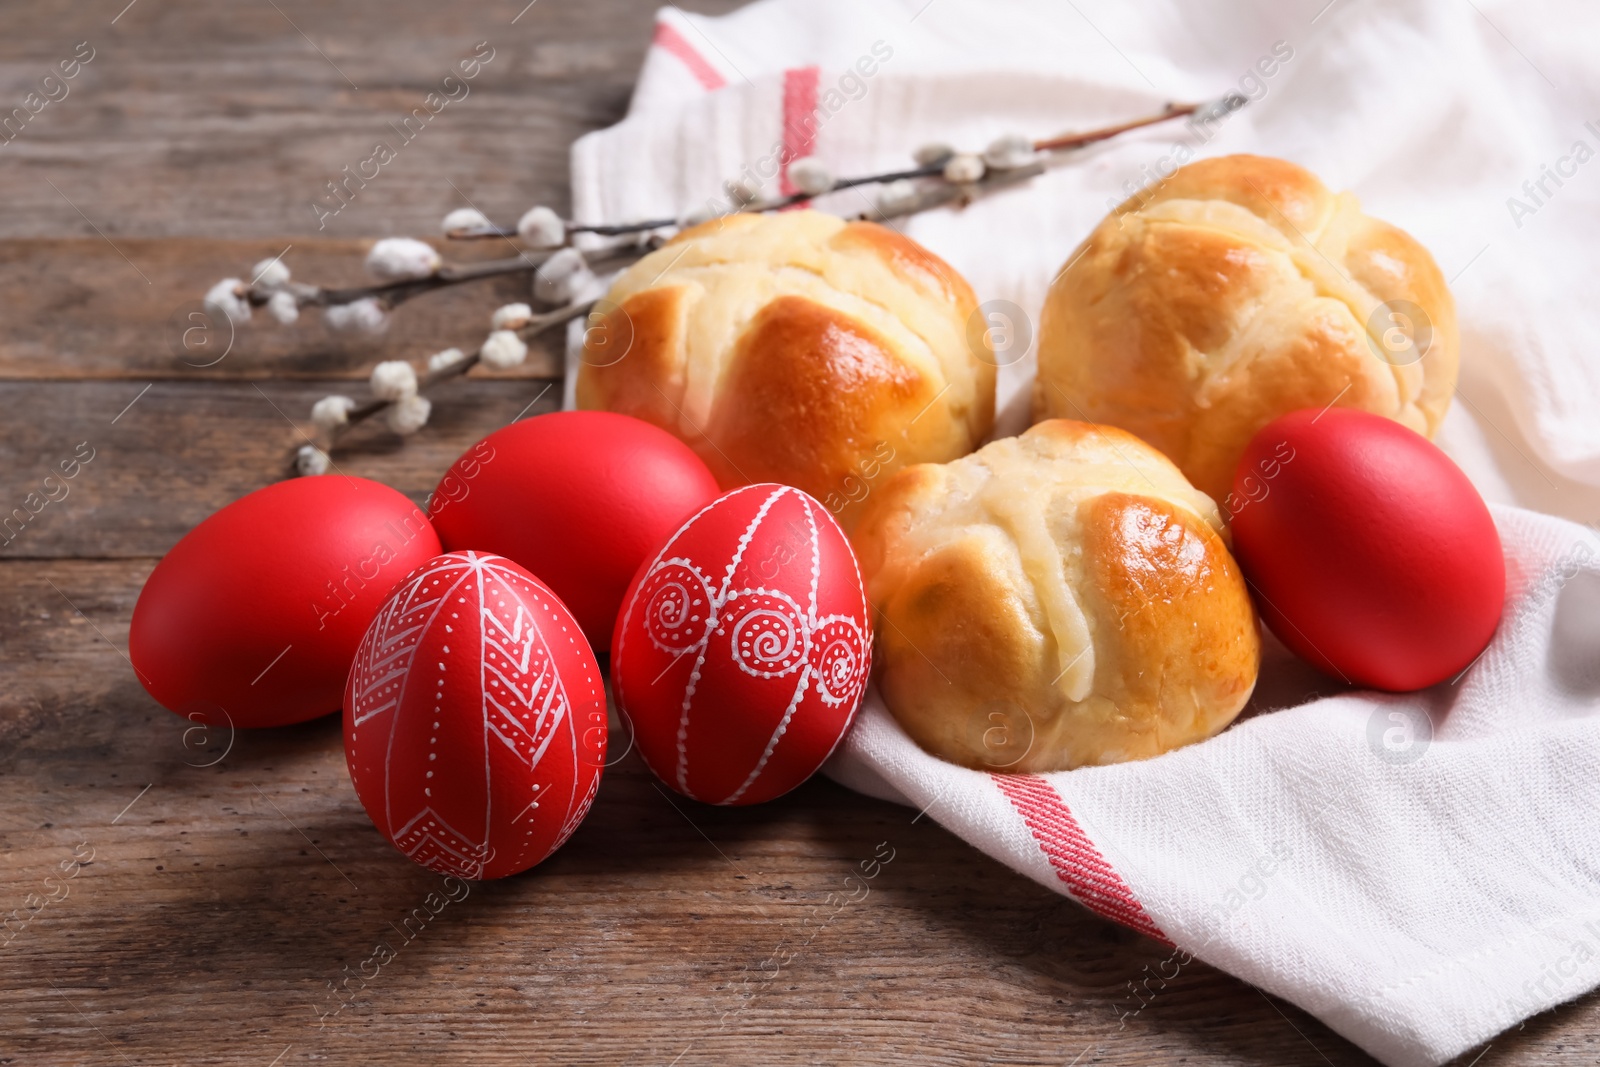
(221, 892)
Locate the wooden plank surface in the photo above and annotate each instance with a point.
(227, 120)
(208, 892)
(165, 454)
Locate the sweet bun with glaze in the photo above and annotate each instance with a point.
(1235, 291)
(795, 347)
(1054, 600)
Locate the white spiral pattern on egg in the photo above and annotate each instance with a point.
(770, 635)
(677, 601)
(838, 660)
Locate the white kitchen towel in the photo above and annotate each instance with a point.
(1420, 872)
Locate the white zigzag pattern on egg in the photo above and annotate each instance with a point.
(381, 667)
(431, 841)
(520, 645)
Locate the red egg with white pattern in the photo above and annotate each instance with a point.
(743, 647)
(475, 718)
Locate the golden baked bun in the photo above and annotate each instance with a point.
(795, 348)
(1238, 290)
(1053, 600)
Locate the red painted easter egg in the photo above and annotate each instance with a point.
(1370, 553)
(580, 498)
(475, 718)
(743, 647)
(253, 617)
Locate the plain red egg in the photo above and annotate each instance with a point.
(475, 718)
(253, 617)
(580, 498)
(1369, 552)
(743, 647)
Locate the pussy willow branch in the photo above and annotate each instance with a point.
(1068, 141)
(931, 170)
(1061, 143)
(535, 326)
(392, 294)
(932, 196)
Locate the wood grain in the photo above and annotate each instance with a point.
(235, 879)
(230, 118)
(165, 457)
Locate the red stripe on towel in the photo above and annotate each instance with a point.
(799, 120)
(1089, 878)
(672, 41)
